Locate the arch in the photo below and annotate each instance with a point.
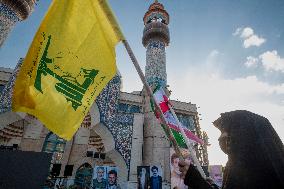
(83, 176)
(92, 118)
(109, 144)
(112, 153)
(95, 115)
(105, 134)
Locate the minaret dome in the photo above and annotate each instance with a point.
(156, 21)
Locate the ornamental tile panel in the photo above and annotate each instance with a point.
(120, 124)
(155, 70)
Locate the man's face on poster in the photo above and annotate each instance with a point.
(155, 172)
(217, 177)
(111, 179)
(216, 174)
(100, 174)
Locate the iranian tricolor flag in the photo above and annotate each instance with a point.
(163, 101)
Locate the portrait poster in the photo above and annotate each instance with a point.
(216, 173)
(176, 179)
(143, 177)
(100, 177)
(156, 177)
(112, 177)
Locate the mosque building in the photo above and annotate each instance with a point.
(120, 130)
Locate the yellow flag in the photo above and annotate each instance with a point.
(70, 61)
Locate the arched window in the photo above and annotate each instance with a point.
(54, 144)
(83, 177)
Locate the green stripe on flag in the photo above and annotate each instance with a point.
(178, 137)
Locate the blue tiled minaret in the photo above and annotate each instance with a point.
(155, 39)
(156, 147)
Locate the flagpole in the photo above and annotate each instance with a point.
(150, 93)
(188, 144)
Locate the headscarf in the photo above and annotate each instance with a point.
(256, 153)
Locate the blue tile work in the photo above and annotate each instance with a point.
(125, 118)
(155, 70)
(123, 142)
(187, 121)
(7, 92)
(129, 108)
(7, 20)
(120, 123)
(107, 102)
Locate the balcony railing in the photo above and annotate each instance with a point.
(156, 29)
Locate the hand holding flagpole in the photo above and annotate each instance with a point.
(188, 144)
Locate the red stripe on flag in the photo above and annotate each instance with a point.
(164, 106)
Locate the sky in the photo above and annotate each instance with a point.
(223, 56)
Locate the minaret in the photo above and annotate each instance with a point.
(12, 11)
(155, 38)
(156, 147)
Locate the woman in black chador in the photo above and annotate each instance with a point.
(255, 154)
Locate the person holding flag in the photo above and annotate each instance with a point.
(255, 154)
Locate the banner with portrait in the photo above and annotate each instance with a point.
(105, 177)
(156, 177)
(176, 179)
(216, 173)
(100, 177)
(143, 177)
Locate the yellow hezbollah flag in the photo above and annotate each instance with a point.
(70, 61)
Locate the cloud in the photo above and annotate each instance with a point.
(251, 62)
(272, 61)
(237, 32)
(247, 32)
(214, 53)
(216, 95)
(250, 39)
(253, 40)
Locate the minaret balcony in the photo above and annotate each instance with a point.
(22, 8)
(156, 30)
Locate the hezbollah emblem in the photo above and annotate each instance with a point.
(67, 84)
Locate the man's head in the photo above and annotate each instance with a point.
(112, 176)
(100, 173)
(154, 170)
